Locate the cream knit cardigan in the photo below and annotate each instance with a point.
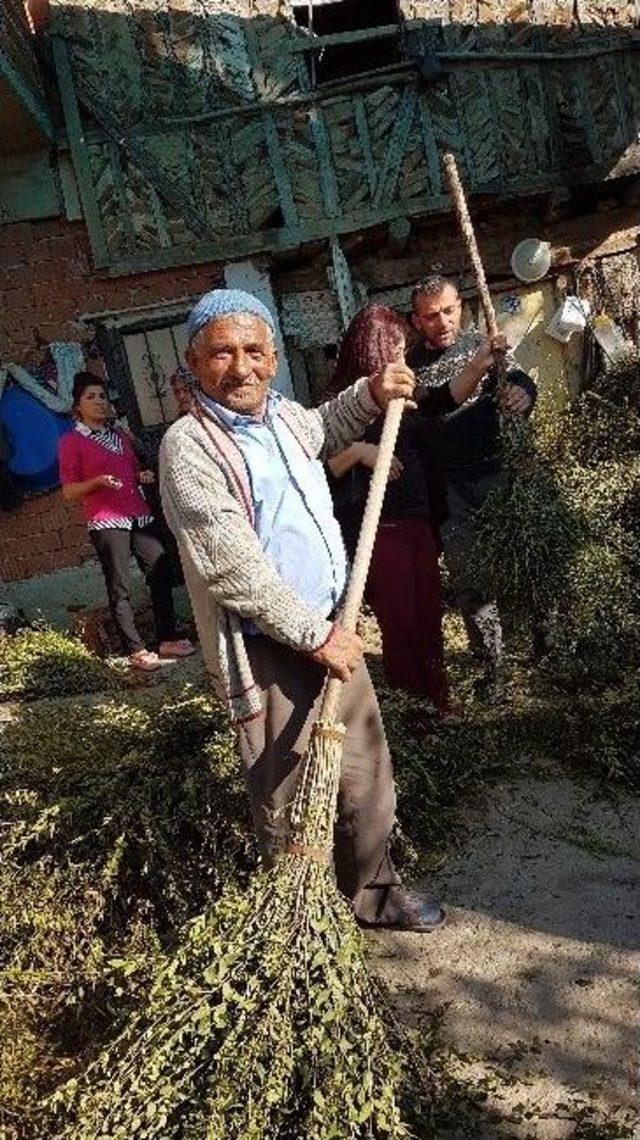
(226, 571)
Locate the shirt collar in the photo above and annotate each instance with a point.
(236, 419)
(84, 429)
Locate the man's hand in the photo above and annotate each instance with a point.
(392, 382)
(517, 400)
(146, 477)
(484, 357)
(342, 653)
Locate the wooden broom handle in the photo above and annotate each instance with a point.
(466, 226)
(364, 550)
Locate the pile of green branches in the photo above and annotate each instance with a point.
(528, 531)
(602, 425)
(559, 540)
(124, 817)
(596, 635)
(45, 663)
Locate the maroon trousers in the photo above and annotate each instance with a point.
(404, 592)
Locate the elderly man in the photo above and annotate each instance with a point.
(462, 450)
(245, 494)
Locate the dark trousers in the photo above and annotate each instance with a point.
(114, 548)
(479, 610)
(404, 592)
(271, 746)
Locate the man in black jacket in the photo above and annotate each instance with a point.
(462, 449)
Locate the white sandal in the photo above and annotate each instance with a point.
(145, 660)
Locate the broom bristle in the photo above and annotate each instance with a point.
(526, 532)
(264, 1025)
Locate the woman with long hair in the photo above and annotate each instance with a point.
(403, 587)
(99, 468)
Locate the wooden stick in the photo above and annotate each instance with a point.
(364, 550)
(466, 226)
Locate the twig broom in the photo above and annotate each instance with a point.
(263, 1026)
(526, 532)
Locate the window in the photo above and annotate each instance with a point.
(333, 61)
(153, 355)
(140, 353)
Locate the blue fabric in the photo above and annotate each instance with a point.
(223, 303)
(33, 432)
(294, 516)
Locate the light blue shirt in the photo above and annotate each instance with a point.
(294, 517)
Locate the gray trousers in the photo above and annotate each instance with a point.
(478, 608)
(272, 745)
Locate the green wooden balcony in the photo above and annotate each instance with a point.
(199, 136)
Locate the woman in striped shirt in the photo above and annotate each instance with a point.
(98, 467)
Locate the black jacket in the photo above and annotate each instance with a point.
(464, 442)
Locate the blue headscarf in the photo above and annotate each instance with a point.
(223, 303)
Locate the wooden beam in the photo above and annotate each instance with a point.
(389, 31)
(279, 168)
(430, 144)
(343, 283)
(159, 217)
(522, 55)
(394, 73)
(152, 170)
(397, 147)
(124, 212)
(356, 36)
(581, 88)
(326, 168)
(79, 154)
(232, 177)
(270, 241)
(364, 139)
(622, 101)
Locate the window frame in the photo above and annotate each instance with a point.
(110, 339)
(311, 45)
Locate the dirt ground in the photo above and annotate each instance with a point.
(535, 977)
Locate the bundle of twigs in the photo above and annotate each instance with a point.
(264, 1025)
(527, 532)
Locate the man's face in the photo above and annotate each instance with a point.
(182, 394)
(437, 316)
(234, 360)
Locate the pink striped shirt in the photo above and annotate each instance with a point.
(82, 458)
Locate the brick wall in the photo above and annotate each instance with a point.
(48, 282)
(44, 534)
